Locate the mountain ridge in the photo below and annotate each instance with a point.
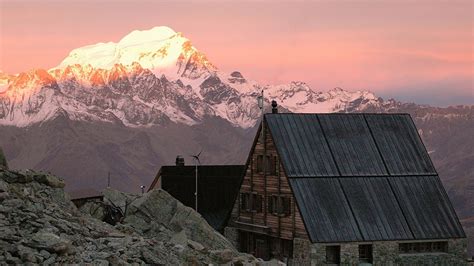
(184, 92)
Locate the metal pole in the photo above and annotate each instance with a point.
(108, 180)
(196, 194)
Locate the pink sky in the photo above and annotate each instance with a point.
(418, 51)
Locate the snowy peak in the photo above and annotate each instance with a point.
(156, 34)
(159, 49)
(154, 77)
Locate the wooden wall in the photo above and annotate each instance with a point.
(266, 185)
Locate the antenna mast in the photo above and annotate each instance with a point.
(196, 161)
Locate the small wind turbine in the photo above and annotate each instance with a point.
(196, 162)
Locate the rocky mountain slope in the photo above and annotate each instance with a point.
(39, 224)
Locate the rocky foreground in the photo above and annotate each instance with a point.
(39, 224)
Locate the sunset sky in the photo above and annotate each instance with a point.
(417, 51)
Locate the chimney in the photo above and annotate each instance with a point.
(179, 160)
(274, 107)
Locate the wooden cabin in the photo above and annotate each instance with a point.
(218, 186)
(344, 189)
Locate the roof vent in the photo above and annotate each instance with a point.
(274, 107)
(179, 160)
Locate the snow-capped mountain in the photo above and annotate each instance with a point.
(150, 77)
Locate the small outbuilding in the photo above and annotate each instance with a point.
(218, 186)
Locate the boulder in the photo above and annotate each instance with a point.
(94, 209)
(157, 206)
(3, 186)
(118, 199)
(49, 180)
(16, 177)
(179, 238)
(222, 256)
(195, 245)
(49, 242)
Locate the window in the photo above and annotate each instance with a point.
(271, 164)
(439, 246)
(260, 164)
(279, 205)
(423, 247)
(333, 254)
(251, 202)
(365, 253)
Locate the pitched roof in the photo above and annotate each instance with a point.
(362, 177)
(218, 188)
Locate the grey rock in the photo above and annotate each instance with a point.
(4, 195)
(157, 230)
(195, 245)
(49, 242)
(160, 207)
(16, 177)
(49, 180)
(45, 254)
(26, 254)
(222, 256)
(4, 186)
(119, 199)
(151, 258)
(179, 239)
(93, 209)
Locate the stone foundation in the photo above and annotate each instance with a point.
(384, 253)
(302, 252)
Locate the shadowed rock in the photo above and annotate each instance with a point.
(40, 225)
(3, 160)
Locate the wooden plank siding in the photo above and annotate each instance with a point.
(287, 227)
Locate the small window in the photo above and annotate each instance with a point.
(404, 247)
(333, 254)
(256, 202)
(260, 164)
(423, 247)
(365, 253)
(439, 246)
(270, 164)
(251, 202)
(279, 205)
(244, 201)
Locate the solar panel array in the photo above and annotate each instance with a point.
(362, 177)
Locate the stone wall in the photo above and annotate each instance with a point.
(457, 255)
(384, 253)
(302, 252)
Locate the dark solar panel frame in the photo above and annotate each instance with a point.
(352, 145)
(301, 145)
(400, 145)
(325, 210)
(427, 208)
